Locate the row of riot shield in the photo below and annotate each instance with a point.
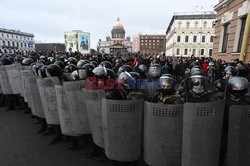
(169, 135)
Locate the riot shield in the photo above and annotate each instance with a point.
(239, 136)
(48, 98)
(26, 87)
(162, 134)
(93, 101)
(77, 108)
(35, 97)
(5, 84)
(122, 122)
(202, 129)
(63, 112)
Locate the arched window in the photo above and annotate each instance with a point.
(8, 43)
(196, 24)
(13, 44)
(179, 25)
(205, 24)
(3, 43)
(188, 25)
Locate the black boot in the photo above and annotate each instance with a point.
(74, 144)
(44, 125)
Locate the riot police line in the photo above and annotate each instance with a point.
(179, 124)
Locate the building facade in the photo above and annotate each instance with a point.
(13, 41)
(152, 43)
(232, 30)
(117, 43)
(136, 44)
(48, 47)
(190, 34)
(77, 40)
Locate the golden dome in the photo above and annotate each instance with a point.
(118, 24)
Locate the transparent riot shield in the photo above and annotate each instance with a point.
(162, 134)
(35, 97)
(5, 84)
(77, 108)
(239, 136)
(48, 98)
(122, 121)
(63, 112)
(202, 129)
(93, 101)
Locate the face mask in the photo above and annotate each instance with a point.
(198, 91)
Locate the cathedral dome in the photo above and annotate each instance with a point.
(118, 27)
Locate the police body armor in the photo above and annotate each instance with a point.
(122, 120)
(76, 105)
(202, 128)
(163, 134)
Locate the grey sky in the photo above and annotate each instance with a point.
(49, 19)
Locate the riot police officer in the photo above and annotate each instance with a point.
(168, 93)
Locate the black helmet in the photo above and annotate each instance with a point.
(71, 60)
(167, 84)
(5, 60)
(60, 63)
(42, 72)
(27, 61)
(70, 68)
(237, 86)
(51, 60)
(103, 72)
(43, 58)
(81, 62)
(129, 79)
(106, 64)
(94, 63)
(198, 80)
(242, 70)
(53, 70)
(142, 70)
(36, 67)
(124, 68)
(154, 71)
(230, 71)
(18, 59)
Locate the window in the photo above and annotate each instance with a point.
(210, 52)
(202, 51)
(242, 29)
(188, 25)
(203, 39)
(195, 39)
(205, 24)
(177, 51)
(185, 51)
(178, 38)
(142, 44)
(194, 51)
(211, 39)
(179, 25)
(186, 38)
(13, 44)
(3, 43)
(21, 44)
(25, 44)
(196, 24)
(225, 37)
(8, 43)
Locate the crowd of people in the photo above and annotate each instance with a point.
(157, 79)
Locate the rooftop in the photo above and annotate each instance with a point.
(17, 32)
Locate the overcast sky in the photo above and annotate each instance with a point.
(49, 19)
